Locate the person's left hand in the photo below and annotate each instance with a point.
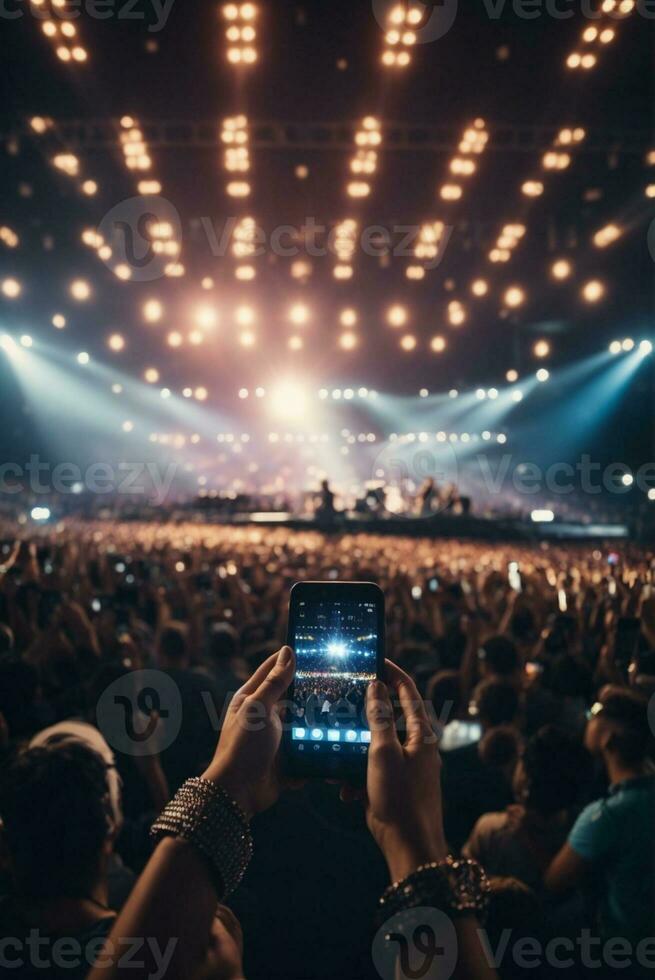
(245, 763)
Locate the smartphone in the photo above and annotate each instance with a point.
(514, 576)
(337, 632)
(561, 600)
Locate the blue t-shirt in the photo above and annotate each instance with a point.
(615, 834)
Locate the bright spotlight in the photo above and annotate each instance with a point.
(628, 344)
(542, 375)
(26, 340)
(615, 347)
(299, 314)
(336, 649)
(651, 493)
(152, 310)
(80, 290)
(116, 342)
(593, 290)
(514, 296)
(206, 317)
(40, 514)
(11, 288)
(83, 358)
(627, 479)
(542, 516)
(646, 347)
(517, 396)
(244, 315)
(512, 375)
(480, 394)
(541, 348)
(8, 344)
(396, 316)
(288, 400)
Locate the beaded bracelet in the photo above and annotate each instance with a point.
(456, 887)
(205, 815)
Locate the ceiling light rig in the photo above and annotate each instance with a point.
(243, 247)
(236, 157)
(595, 37)
(401, 24)
(240, 33)
(61, 32)
(364, 162)
(344, 244)
(462, 166)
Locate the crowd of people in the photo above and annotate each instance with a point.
(543, 678)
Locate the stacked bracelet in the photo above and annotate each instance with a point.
(456, 887)
(205, 815)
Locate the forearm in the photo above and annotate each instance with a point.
(173, 905)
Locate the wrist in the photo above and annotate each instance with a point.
(404, 856)
(220, 774)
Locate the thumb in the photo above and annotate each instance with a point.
(277, 681)
(379, 713)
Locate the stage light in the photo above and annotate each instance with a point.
(501, 438)
(26, 340)
(174, 339)
(8, 344)
(299, 314)
(200, 394)
(532, 188)
(438, 344)
(541, 348)
(83, 358)
(492, 393)
(9, 237)
(152, 310)
(348, 318)
(628, 344)
(396, 315)
(295, 343)
(645, 347)
(561, 269)
(627, 479)
(542, 516)
(593, 290)
(260, 392)
(512, 375)
(128, 426)
(517, 396)
(40, 514)
(408, 342)
(206, 317)
(59, 321)
(11, 288)
(605, 236)
(450, 192)
(615, 347)
(453, 393)
(514, 296)
(80, 290)
(480, 394)
(542, 375)
(348, 340)
(323, 394)
(288, 400)
(117, 389)
(247, 338)
(479, 287)
(165, 393)
(116, 342)
(244, 316)
(336, 393)
(651, 493)
(90, 187)
(456, 313)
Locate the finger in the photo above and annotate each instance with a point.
(416, 717)
(277, 681)
(260, 674)
(379, 714)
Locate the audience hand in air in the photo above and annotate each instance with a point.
(246, 759)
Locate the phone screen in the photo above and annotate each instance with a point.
(514, 576)
(336, 630)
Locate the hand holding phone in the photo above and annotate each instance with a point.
(337, 632)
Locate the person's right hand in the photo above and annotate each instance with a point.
(403, 785)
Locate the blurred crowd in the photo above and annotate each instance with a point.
(536, 663)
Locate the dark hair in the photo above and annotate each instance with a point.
(173, 642)
(444, 690)
(500, 656)
(556, 767)
(569, 676)
(499, 747)
(627, 710)
(644, 662)
(497, 703)
(515, 907)
(55, 812)
(18, 687)
(223, 642)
